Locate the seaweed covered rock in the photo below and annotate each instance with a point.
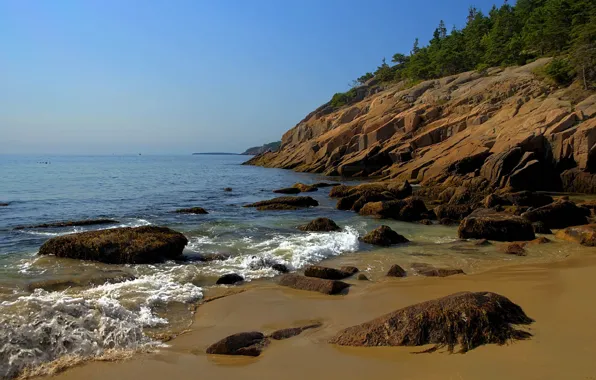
(284, 203)
(452, 211)
(584, 235)
(126, 245)
(320, 225)
(409, 210)
(305, 188)
(489, 318)
(70, 223)
(245, 343)
(492, 225)
(313, 284)
(401, 191)
(192, 210)
(287, 190)
(383, 236)
(559, 214)
(329, 273)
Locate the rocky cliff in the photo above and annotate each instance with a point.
(272, 146)
(505, 127)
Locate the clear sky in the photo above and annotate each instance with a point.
(178, 76)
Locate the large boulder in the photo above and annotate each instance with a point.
(452, 211)
(383, 236)
(409, 210)
(492, 225)
(313, 284)
(329, 273)
(284, 203)
(584, 235)
(489, 318)
(559, 214)
(127, 245)
(320, 225)
(246, 344)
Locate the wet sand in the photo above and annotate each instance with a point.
(559, 296)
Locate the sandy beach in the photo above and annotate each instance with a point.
(557, 295)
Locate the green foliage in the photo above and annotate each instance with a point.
(343, 98)
(508, 35)
(365, 78)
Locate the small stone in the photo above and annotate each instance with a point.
(362, 277)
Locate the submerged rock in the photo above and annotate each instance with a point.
(492, 225)
(284, 203)
(287, 190)
(81, 280)
(70, 223)
(489, 318)
(281, 268)
(292, 331)
(126, 245)
(584, 235)
(192, 210)
(3, 204)
(383, 236)
(320, 225)
(313, 284)
(559, 214)
(227, 189)
(428, 270)
(229, 279)
(305, 188)
(396, 271)
(246, 344)
(329, 273)
(514, 249)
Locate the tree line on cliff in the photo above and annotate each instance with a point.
(508, 35)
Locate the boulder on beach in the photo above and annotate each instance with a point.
(313, 284)
(287, 190)
(492, 225)
(284, 203)
(229, 279)
(428, 270)
(409, 210)
(126, 245)
(329, 273)
(245, 343)
(559, 214)
(320, 225)
(584, 235)
(514, 248)
(489, 318)
(396, 271)
(383, 236)
(70, 223)
(192, 210)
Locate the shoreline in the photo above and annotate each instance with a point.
(556, 295)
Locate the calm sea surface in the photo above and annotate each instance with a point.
(50, 307)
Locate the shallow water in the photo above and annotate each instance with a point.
(53, 307)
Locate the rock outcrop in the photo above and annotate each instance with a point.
(127, 245)
(492, 225)
(320, 225)
(559, 214)
(508, 128)
(383, 236)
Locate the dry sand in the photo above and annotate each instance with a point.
(559, 296)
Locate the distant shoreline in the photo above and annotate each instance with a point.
(216, 154)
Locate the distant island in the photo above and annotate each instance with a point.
(216, 154)
(272, 146)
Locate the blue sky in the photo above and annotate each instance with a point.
(178, 76)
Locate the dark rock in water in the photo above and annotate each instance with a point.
(284, 203)
(192, 210)
(428, 270)
(349, 269)
(492, 225)
(482, 242)
(541, 228)
(448, 222)
(362, 277)
(383, 236)
(514, 249)
(313, 284)
(320, 225)
(127, 245)
(329, 273)
(229, 279)
(584, 235)
(71, 223)
(218, 256)
(453, 212)
(82, 280)
(489, 318)
(401, 191)
(246, 344)
(305, 188)
(3, 204)
(325, 184)
(281, 268)
(559, 214)
(292, 331)
(287, 190)
(227, 189)
(396, 271)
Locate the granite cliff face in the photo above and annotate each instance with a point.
(505, 127)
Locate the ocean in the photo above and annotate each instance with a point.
(54, 308)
